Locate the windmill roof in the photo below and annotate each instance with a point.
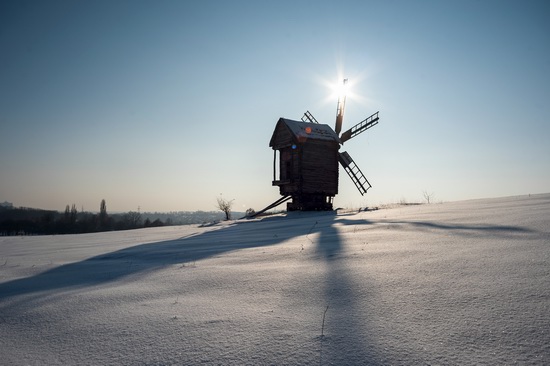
(313, 131)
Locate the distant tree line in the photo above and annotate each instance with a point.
(33, 221)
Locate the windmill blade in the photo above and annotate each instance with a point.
(340, 107)
(354, 172)
(308, 117)
(360, 127)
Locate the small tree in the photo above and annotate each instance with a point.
(225, 206)
(428, 196)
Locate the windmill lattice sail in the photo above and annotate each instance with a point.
(308, 117)
(360, 127)
(356, 175)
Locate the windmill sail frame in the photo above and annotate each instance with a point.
(362, 126)
(356, 175)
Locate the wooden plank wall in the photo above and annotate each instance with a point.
(313, 164)
(320, 168)
(282, 137)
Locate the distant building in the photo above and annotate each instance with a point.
(6, 204)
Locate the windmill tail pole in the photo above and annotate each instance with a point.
(273, 205)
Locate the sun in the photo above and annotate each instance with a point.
(355, 89)
(338, 89)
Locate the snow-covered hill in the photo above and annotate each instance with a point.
(455, 283)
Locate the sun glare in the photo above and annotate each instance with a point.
(353, 89)
(340, 89)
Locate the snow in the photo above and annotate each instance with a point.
(454, 283)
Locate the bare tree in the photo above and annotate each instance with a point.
(225, 206)
(133, 219)
(428, 196)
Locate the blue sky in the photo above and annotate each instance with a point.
(166, 105)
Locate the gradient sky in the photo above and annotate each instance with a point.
(166, 105)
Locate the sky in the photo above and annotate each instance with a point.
(168, 105)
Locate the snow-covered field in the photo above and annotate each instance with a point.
(442, 284)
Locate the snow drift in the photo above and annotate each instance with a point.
(454, 283)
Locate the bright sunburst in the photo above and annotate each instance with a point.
(336, 88)
(340, 89)
(358, 90)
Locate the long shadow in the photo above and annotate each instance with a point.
(461, 229)
(346, 340)
(149, 257)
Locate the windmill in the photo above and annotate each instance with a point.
(306, 158)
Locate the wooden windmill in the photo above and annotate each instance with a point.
(306, 158)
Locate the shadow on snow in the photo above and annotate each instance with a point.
(340, 288)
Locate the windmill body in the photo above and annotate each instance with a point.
(306, 158)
